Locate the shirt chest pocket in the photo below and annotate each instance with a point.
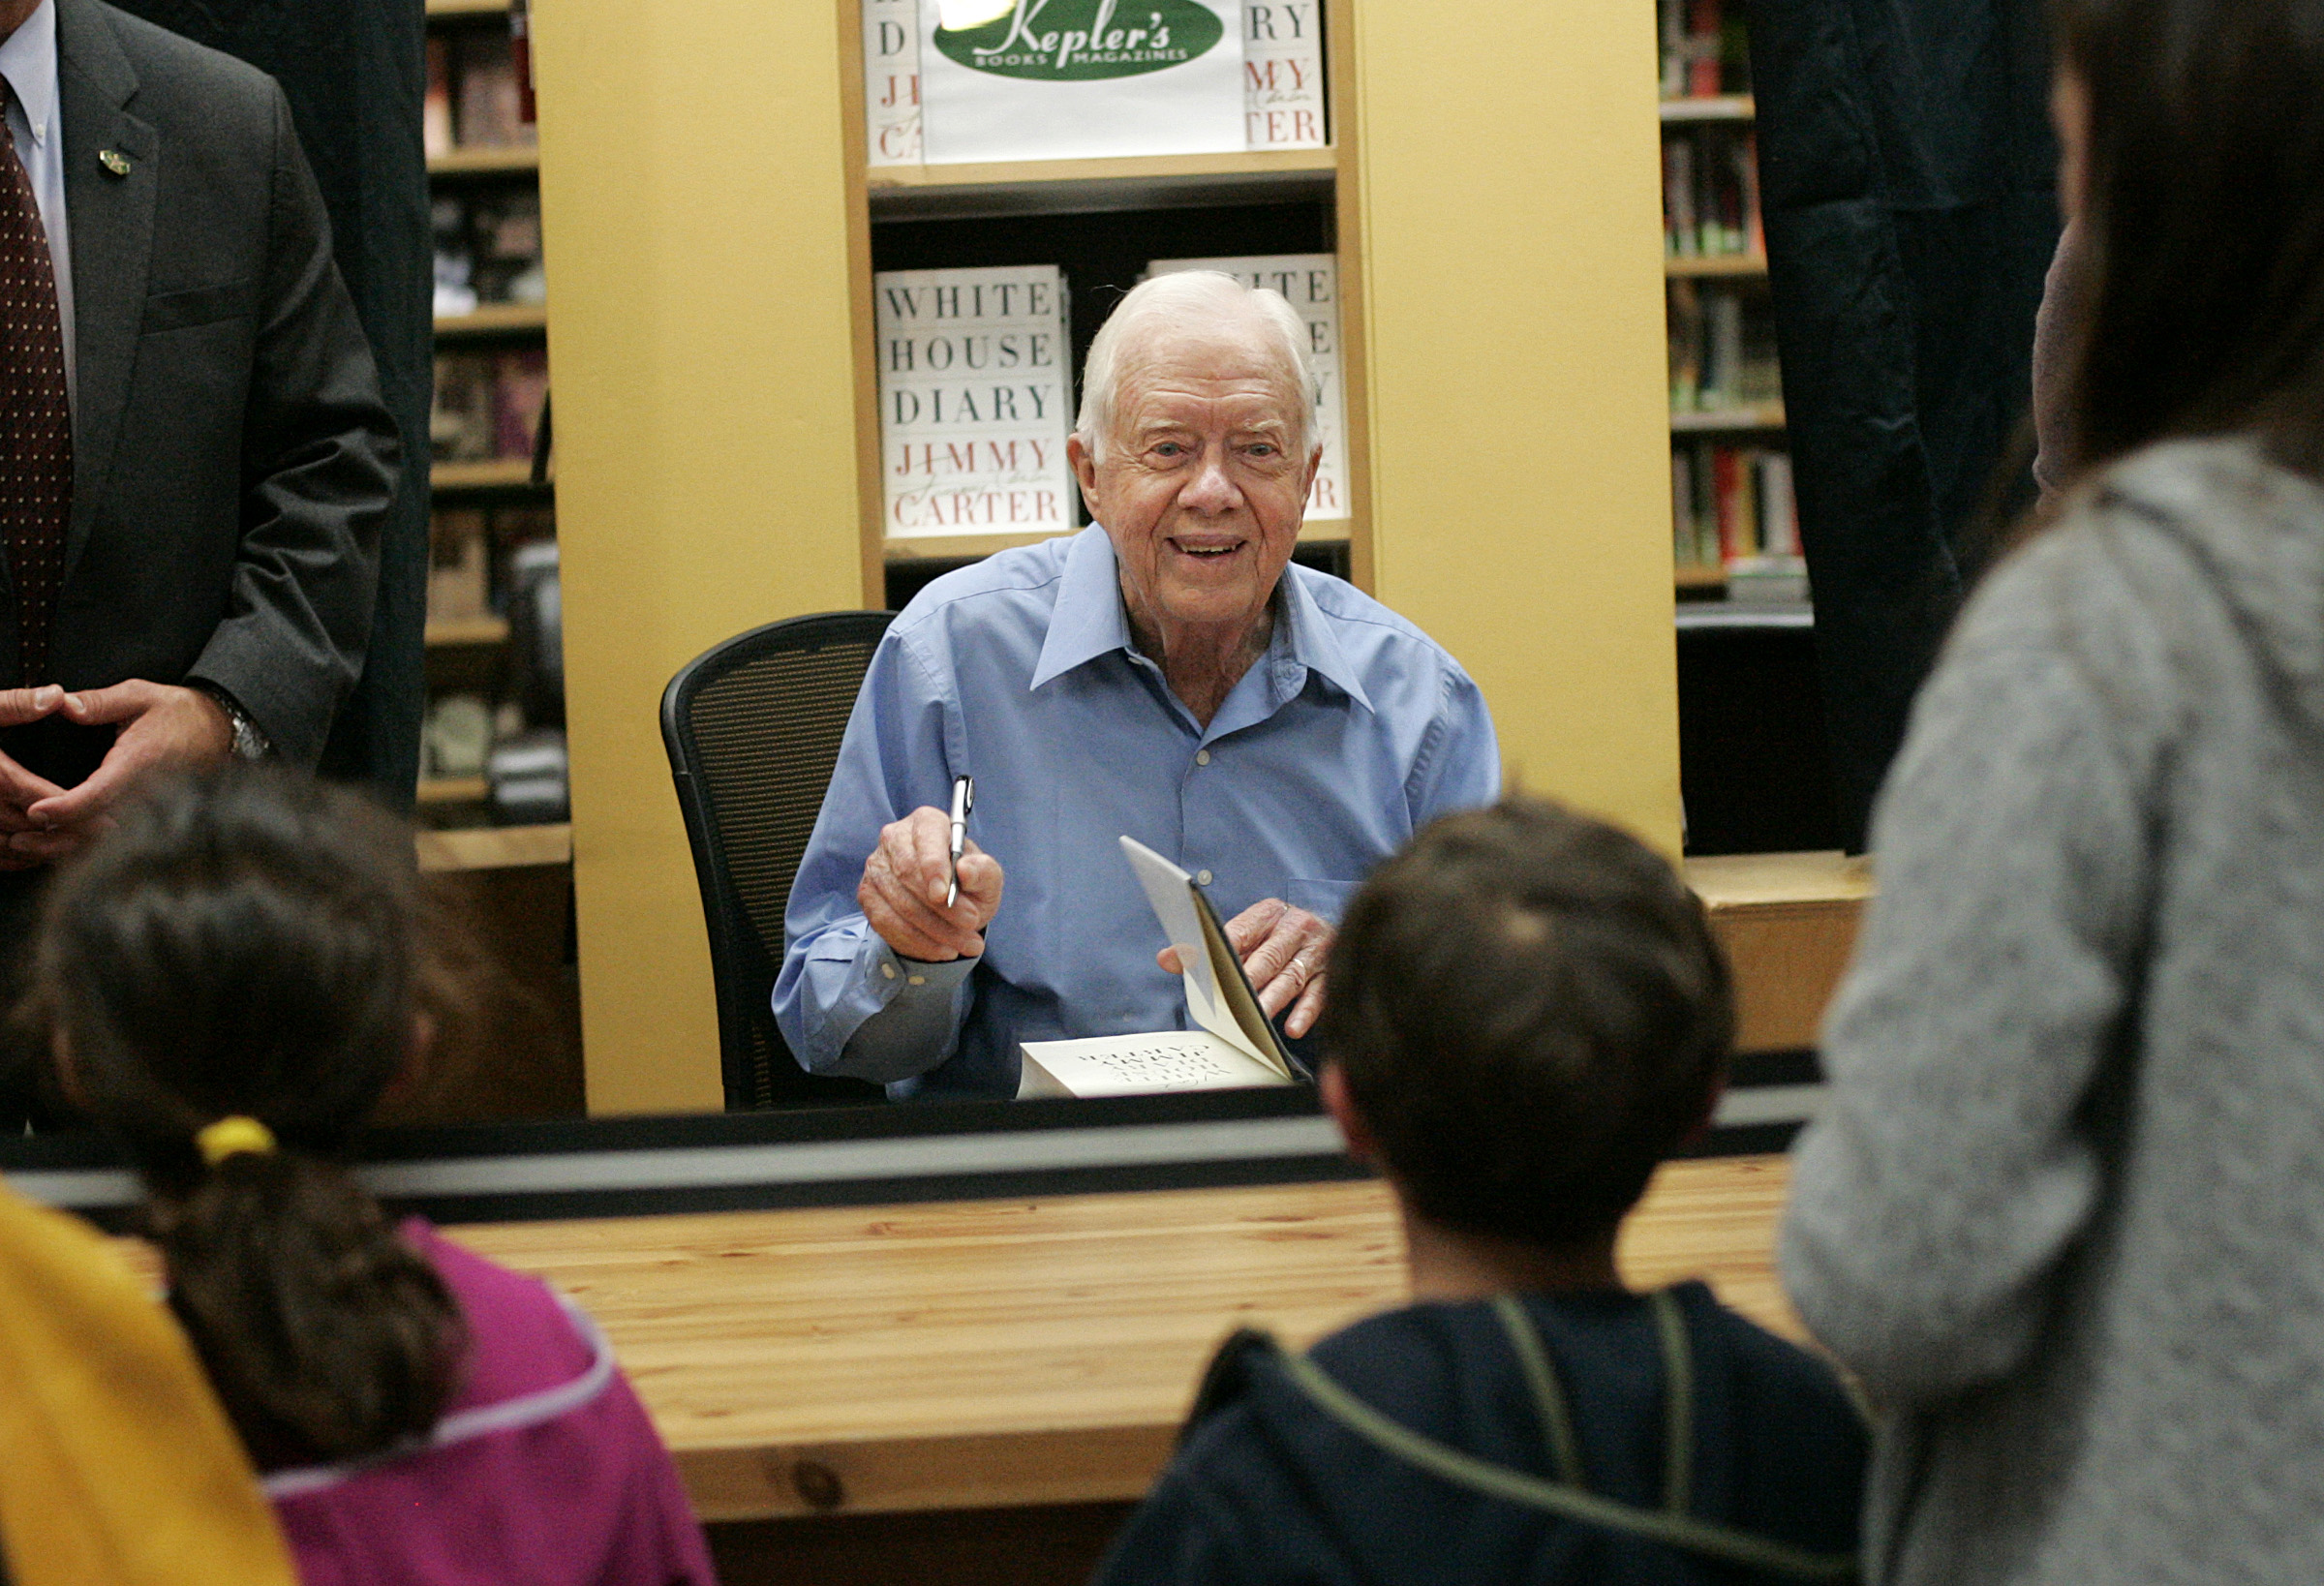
(1325, 899)
(197, 306)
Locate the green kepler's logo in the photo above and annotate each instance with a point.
(1076, 41)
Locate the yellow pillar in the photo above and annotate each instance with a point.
(1508, 233)
(694, 201)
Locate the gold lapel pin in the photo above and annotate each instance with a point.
(113, 160)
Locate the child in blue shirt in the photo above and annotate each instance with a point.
(1527, 1012)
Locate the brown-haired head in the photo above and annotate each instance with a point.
(1529, 1013)
(251, 943)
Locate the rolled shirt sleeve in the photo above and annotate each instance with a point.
(838, 975)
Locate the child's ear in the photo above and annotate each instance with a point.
(417, 1045)
(67, 1072)
(1333, 1084)
(1710, 1113)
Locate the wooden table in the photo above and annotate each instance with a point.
(994, 1353)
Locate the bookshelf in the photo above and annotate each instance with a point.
(491, 375)
(487, 161)
(493, 320)
(1732, 500)
(1741, 267)
(1752, 416)
(491, 473)
(1710, 107)
(468, 631)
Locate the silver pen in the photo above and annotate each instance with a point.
(964, 799)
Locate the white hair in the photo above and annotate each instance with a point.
(1174, 299)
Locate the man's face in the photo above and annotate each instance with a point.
(1203, 484)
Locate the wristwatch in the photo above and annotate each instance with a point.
(250, 738)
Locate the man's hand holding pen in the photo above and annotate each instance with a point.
(907, 879)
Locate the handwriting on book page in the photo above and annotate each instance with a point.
(1164, 1065)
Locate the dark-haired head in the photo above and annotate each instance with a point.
(1529, 1014)
(2204, 219)
(250, 943)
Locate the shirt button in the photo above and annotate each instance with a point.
(1203, 877)
(888, 969)
(915, 980)
(1201, 757)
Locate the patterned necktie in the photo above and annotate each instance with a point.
(36, 421)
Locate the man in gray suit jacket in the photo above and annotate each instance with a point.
(230, 459)
(195, 460)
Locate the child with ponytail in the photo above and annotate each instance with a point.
(233, 978)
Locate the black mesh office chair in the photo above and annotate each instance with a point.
(752, 727)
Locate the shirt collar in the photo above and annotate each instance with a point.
(1088, 620)
(28, 61)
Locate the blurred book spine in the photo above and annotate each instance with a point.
(1704, 52)
(483, 87)
(1722, 350)
(435, 107)
(1711, 193)
(973, 400)
(1732, 507)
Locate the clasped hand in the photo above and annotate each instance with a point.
(159, 725)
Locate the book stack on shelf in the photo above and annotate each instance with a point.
(495, 690)
(1052, 155)
(1734, 528)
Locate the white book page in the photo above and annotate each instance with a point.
(1136, 1065)
(1170, 890)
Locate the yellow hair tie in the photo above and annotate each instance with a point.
(233, 1136)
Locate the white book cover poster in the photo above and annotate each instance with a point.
(973, 400)
(891, 82)
(1061, 79)
(1311, 284)
(1283, 73)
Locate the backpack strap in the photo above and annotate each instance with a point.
(1569, 1500)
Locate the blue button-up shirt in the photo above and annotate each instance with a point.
(1350, 732)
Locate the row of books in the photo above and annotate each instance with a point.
(473, 95)
(976, 391)
(1722, 349)
(476, 555)
(954, 80)
(1711, 193)
(487, 404)
(1731, 504)
(1703, 50)
(488, 250)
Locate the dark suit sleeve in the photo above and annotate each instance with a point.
(320, 459)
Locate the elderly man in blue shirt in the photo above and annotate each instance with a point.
(1166, 674)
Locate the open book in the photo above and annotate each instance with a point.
(1235, 1047)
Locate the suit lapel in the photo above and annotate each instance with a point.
(111, 221)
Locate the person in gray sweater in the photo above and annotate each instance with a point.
(2064, 1215)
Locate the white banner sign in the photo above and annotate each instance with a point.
(1054, 79)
